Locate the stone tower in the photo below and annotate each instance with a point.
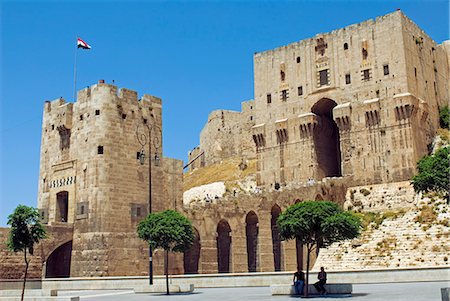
(92, 182)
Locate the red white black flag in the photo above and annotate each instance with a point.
(83, 44)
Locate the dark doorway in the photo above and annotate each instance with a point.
(192, 256)
(58, 263)
(276, 241)
(251, 232)
(326, 140)
(223, 246)
(62, 206)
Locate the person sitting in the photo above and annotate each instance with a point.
(299, 282)
(320, 285)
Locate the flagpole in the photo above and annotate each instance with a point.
(75, 75)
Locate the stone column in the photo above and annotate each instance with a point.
(289, 255)
(208, 264)
(239, 251)
(265, 247)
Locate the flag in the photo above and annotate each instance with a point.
(83, 44)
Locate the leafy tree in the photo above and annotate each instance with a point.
(317, 223)
(444, 117)
(433, 172)
(26, 230)
(168, 230)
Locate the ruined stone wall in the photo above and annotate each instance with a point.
(364, 104)
(196, 158)
(225, 135)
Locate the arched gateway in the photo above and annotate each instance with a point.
(58, 263)
(326, 140)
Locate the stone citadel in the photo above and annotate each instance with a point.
(353, 108)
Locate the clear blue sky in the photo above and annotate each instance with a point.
(196, 56)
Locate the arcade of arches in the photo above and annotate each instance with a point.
(255, 246)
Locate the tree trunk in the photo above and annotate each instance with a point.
(307, 269)
(166, 270)
(25, 276)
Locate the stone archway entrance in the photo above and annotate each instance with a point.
(326, 140)
(223, 246)
(251, 232)
(276, 241)
(192, 256)
(58, 263)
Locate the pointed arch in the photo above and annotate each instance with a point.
(58, 263)
(223, 246)
(251, 232)
(191, 257)
(276, 240)
(326, 139)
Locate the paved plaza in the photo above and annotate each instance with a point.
(415, 291)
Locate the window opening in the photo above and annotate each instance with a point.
(347, 79)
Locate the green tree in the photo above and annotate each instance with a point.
(168, 230)
(433, 172)
(444, 117)
(26, 231)
(317, 223)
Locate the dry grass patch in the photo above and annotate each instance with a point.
(226, 171)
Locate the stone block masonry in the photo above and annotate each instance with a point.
(91, 178)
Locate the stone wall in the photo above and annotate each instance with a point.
(366, 106)
(225, 135)
(12, 265)
(233, 211)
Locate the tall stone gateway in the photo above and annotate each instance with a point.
(359, 102)
(91, 180)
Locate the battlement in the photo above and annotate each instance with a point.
(395, 17)
(109, 92)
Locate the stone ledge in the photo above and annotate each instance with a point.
(161, 288)
(332, 289)
(42, 298)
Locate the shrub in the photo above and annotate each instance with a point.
(433, 172)
(444, 117)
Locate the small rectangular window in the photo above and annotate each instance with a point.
(300, 90)
(97, 112)
(415, 72)
(366, 75)
(385, 69)
(269, 98)
(81, 117)
(124, 116)
(145, 120)
(323, 78)
(347, 79)
(284, 95)
(100, 150)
